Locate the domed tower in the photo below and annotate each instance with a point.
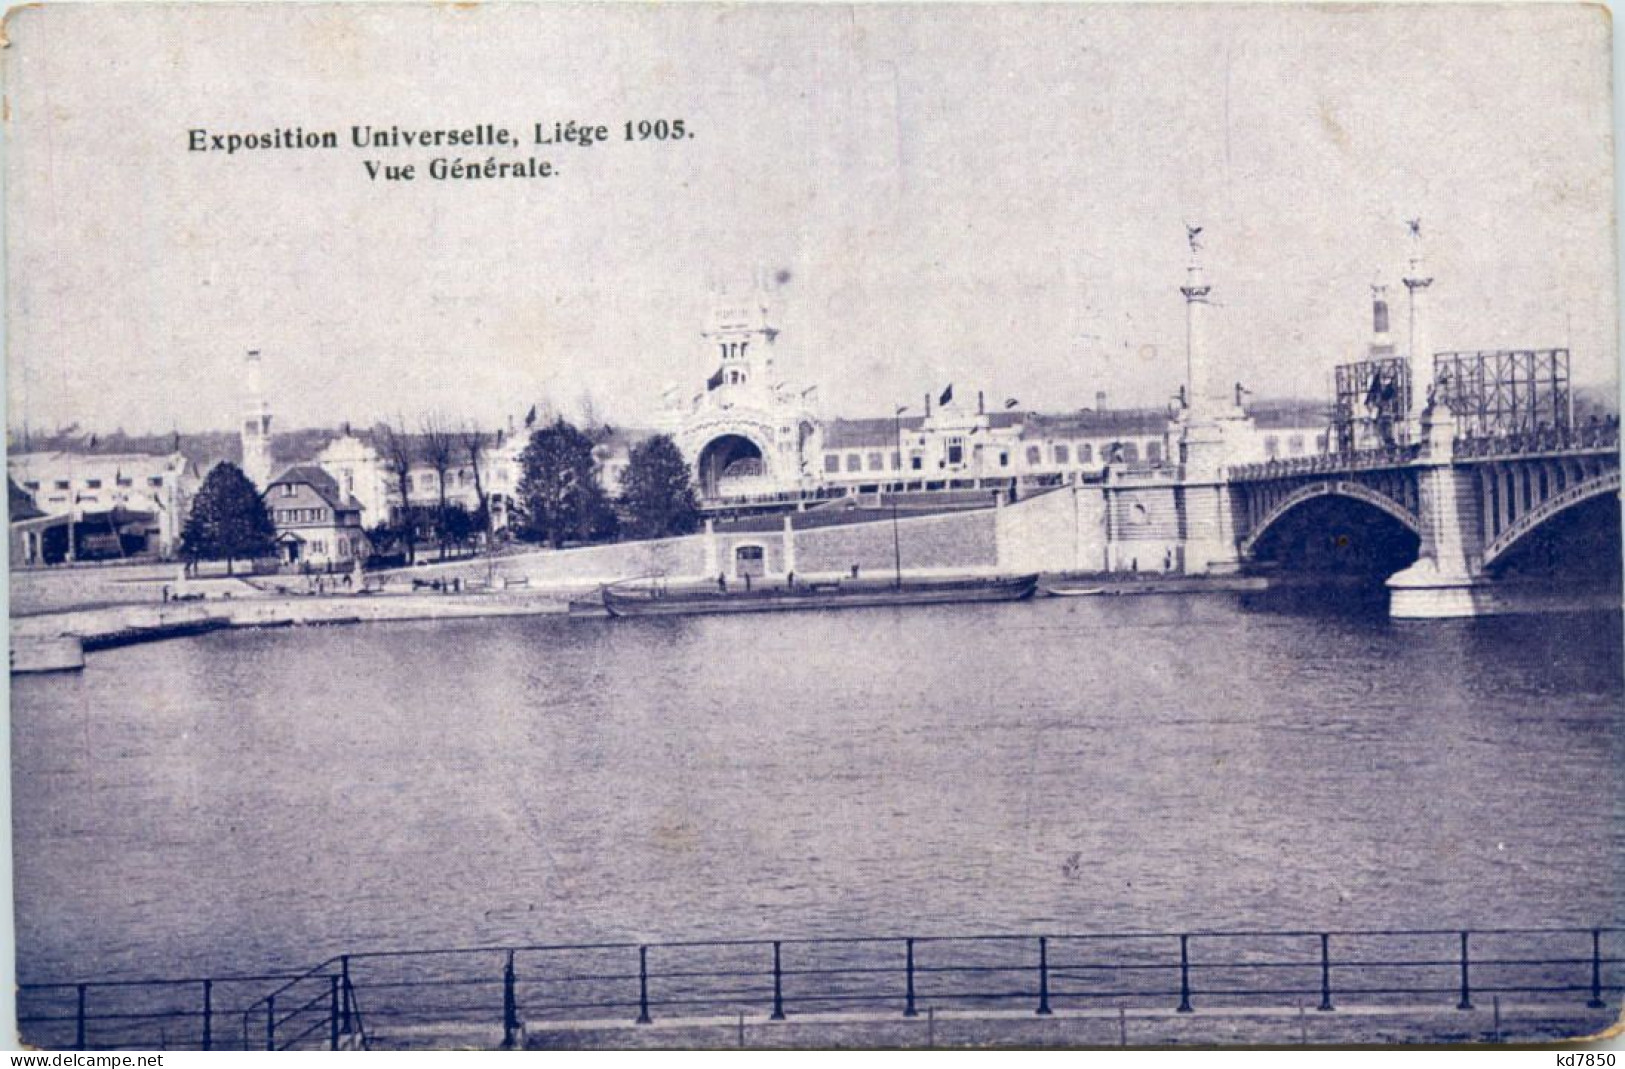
(749, 431)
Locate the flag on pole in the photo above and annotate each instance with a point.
(714, 381)
(530, 420)
(947, 395)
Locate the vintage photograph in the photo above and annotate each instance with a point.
(599, 526)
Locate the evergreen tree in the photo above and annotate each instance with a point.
(559, 492)
(657, 494)
(228, 520)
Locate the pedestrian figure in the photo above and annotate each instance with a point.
(722, 583)
(790, 581)
(747, 582)
(854, 571)
(166, 594)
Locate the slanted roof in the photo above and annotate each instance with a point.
(20, 505)
(1289, 415)
(318, 480)
(1090, 423)
(870, 432)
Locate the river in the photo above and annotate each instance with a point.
(245, 800)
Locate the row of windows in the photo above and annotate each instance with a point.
(32, 485)
(1125, 453)
(462, 477)
(318, 547)
(1294, 445)
(301, 515)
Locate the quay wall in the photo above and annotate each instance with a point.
(63, 587)
(961, 541)
(1144, 529)
(1060, 530)
(582, 565)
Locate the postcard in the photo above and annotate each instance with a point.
(812, 525)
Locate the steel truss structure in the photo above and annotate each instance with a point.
(1505, 391)
(1373, 398)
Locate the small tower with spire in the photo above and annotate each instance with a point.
(255, 427)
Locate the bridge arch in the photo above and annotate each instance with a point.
(1528, 523)
(1329, 488)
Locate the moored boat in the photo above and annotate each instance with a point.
(625, 599)
(1126, 587)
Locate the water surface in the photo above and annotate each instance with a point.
(250, 800)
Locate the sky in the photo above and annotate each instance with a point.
(989, 196)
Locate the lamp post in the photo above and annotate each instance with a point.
(896, 540)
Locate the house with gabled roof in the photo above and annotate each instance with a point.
(317, 525)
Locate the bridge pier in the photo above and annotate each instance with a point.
(1209, 444)
(1424, 591)
(1445, 582)
(1210, 531)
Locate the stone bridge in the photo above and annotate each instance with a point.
(1470, 502)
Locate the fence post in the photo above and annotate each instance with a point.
(908, 1006)
(778, 985)
(208, 1015)
(270, 1022)
(1326, 972)
(79, 1029)
(1466, 991)
(1184, 974)
(349, 993)
(1596, 970)
(510, 1005)
(333, 1012)
(1043, 977)
(643, 985)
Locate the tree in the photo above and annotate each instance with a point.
(558, 486)
(457, 524)
(397, 451)
(439, 450)
(228, 520)
(474, 448)
(657, 495)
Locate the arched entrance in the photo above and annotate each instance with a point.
(729, 463)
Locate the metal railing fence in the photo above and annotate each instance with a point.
(195, 1013)
(504, 989)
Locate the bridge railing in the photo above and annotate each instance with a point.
(1597, 435)
(499, 991)
(1325, 463)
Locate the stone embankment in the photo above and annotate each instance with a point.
(55, 641)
